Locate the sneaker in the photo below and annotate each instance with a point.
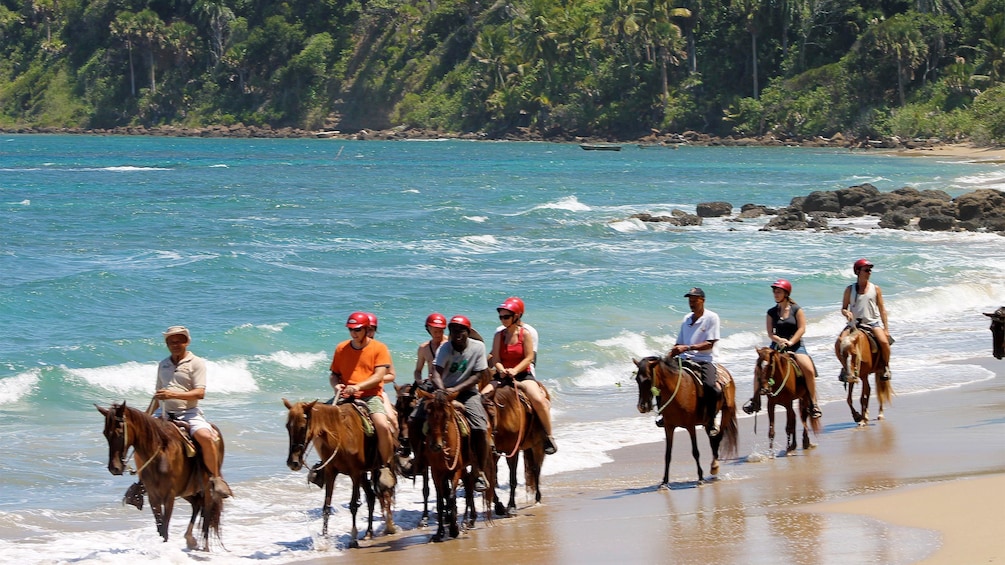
(714, 430)
(659, 422)
(886, 375)
(134, 496)
(220, 487)
(752, 405)
(386, 478)
(481, 483)
(815, 412)
(843, 377)
(549, 446)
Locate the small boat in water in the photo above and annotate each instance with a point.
(600, 147)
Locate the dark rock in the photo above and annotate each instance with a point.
(936, 222)
(714, 209)
(821, 201)
(895, 220)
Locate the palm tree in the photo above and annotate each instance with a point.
(900, 37)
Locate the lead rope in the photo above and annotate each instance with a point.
(788, 373)
(125, 458)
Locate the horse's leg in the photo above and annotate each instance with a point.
(668, 430)
(804, 415)
(386, 497)
(771, 425)
(371, 498)
(694, 453)
(470, 510)
(197, 503)
(157, 509)
(512, 463)
(790, 428)
(326, 509)
(353, 508)
(453, 529)
(168, 510)
(532, 459)
(866, 393)
(879, 393)
(855, 415)
(440, 483)
(424, 520)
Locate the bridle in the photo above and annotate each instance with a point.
(772, 364)
(122, 423)
(449, 415)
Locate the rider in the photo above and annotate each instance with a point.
(436, 323)
(786, 325)
(459, 364)
(863, 304)
(181, 384)
(513, 353)
(696, 343)
(358, 370)
(392, 414)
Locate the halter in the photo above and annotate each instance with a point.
(457, 455)
(308, 441)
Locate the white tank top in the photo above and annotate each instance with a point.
(863, 306)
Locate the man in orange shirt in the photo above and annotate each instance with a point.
(358, 368)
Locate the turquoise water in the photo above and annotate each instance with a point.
(263, 247)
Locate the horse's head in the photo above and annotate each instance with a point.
(117, 433)
(644, 378)
(297, 421)
(766, 357)
(997, 332)
(439, 414)
(404, 403)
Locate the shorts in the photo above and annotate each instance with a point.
(375, 404)
(800, 349)
(191, 416)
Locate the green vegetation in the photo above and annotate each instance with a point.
(615, 68)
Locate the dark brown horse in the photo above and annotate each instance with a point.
(997, 332)
(447, 453)
(340, 439)
(164, 468)
(680, 394)
(860, 357)
(516, 428)
(410, 434)
(776, 376)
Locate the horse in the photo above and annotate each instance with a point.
(516, 428)
(410, 434)
(165, 469)
(776, 376)
(859, 355)
(683, 408)
(340, 439)
(997, 332)
(447, 453)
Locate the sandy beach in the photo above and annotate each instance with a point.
(925, 485)
(967, 151)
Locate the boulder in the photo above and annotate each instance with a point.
(714, 209)
(821, 201)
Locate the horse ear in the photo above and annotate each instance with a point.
(104, 411)
(287, 404)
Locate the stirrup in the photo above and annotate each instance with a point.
(481, 484)
(134, 496)
(659, 422)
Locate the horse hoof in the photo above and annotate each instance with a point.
(390, 530)
(423, 522)
(191, 543)
(881, 417)
(354, 544)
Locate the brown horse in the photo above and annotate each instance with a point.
(164, 468)
(860, 357)
(680, 392)
(340, 439)
(516, 428)
(447, 451)
(410, 434)
(776, 375)
(997, 332)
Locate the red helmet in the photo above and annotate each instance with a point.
(513, 304)
(861, 263)
(783, 284)
(436, 320)
(460, 321)
(358, 320)
(373, 319)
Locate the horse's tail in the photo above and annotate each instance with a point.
(884, 390)
(729, 430)
(814, 422)
(212, 510)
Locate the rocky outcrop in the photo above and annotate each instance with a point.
(714, 209)
(677, 218)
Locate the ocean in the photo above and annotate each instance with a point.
(263, 247)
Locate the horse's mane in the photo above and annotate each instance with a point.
(154, 431)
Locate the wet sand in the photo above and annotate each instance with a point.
(967, 151)
(925, 485)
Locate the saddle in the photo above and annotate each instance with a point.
(185, 432)
(364, 415)
(873, 346)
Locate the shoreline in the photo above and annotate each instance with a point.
(914, 488)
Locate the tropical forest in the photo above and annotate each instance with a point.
(558, 68)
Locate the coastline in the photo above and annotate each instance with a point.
(926, 485)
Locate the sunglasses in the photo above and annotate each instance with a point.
(867, 269)
(505, 316)
(354, 330)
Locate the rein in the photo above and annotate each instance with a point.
(308, 443)
(676, 389)
(125, 451)
(788, 373)
(451, 417)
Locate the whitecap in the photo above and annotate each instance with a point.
(627, 226)
(296, 360)
(13, 389)
(478, 219)
(219, 166)
(570, 203)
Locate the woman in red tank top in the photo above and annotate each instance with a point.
(513, 353)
